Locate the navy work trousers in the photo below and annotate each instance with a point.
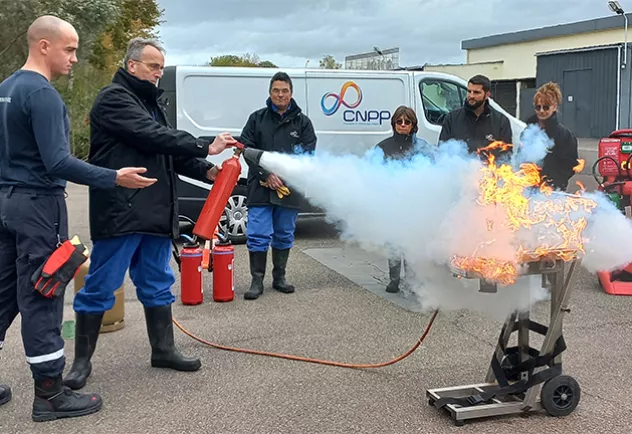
(270, 225)
(146, 256)
(30, 222)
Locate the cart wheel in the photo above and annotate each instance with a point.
(459, 423)
(431, 402)
(560, 395)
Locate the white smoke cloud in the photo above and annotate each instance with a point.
(534, 147)
(608, 237)
(427, 210)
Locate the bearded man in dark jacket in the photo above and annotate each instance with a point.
(134, 229)
(281, 126)
(477, 123)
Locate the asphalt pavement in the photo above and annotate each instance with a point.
(334, 315)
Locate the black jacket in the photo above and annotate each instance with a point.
(129, 128)
(267, 130)
(398, 146)
(558, 164)
(478, 132)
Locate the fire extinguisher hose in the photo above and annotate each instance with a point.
(310, 360)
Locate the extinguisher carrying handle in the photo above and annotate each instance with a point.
(207, 257)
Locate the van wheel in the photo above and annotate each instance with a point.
(236, 214)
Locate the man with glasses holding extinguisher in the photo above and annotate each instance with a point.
(134, 230)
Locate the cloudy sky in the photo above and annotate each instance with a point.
(290, 32)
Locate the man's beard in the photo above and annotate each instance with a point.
(474, 106)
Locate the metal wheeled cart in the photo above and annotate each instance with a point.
(522, 379)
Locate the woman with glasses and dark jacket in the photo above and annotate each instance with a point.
(403, 144)
(557, 168)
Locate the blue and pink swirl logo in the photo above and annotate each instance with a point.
(340, 99)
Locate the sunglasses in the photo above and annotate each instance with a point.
(542, 107)
(403, 122)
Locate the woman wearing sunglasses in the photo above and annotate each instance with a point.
(403, 144)
(557, 168)
(403, 141)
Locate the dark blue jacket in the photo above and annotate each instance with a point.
(35, 138)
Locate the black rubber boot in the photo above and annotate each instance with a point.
(394, 273)
(258, 261)
(279, 262)
(86, 335)
(164, 353)
(5, 394)
(54, 401)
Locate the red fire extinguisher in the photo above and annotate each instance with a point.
(223, 271)
(191, 291)
(219, 195)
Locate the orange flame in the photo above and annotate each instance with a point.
(506, 188)
(580, 166)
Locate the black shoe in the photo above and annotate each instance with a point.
(86, 335)
(54, 401)
(5, 394)
(258, 261)
(393, 286)
(279, 261)
(164, 353)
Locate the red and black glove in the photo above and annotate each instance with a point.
(52, 277)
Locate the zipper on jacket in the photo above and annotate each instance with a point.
(129, 201)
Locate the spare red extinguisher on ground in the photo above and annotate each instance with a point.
(223, 271)
(191, 291)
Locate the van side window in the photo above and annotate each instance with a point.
(439, 98)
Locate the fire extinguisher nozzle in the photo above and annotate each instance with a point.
(253, 155)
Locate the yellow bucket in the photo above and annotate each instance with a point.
(113, 319)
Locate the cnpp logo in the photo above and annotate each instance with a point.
(340, 99)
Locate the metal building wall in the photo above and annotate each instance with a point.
(589, 82)
(626, 91)
(504, 92)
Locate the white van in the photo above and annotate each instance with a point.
(350, 110)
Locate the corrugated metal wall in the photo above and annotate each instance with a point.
(526, 103)
(504, 93)
(601, 91)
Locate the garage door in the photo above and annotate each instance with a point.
(504, 93)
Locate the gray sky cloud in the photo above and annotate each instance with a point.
(289, 33)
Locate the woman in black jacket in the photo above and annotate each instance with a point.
(557, 168)
(401, 145)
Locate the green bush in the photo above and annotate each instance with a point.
(79, 91)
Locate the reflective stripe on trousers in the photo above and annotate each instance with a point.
(46, 357)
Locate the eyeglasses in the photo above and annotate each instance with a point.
(403, 122)
(542, 108)
(152, 66)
